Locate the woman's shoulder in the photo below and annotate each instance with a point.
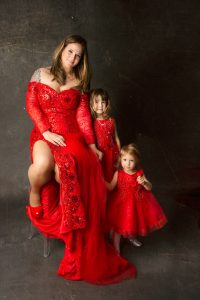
(41, 75)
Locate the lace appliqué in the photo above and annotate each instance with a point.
(36, 76)
(72, 206)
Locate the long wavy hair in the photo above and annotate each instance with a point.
(104, 96)
(82, 70)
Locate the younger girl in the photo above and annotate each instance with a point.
(132, 210)
(105, 130)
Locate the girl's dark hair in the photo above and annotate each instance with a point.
(104, 95)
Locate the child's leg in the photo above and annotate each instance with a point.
(111, 234)
(135, 242)
(116, 241)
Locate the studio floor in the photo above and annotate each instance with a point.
(168, 262)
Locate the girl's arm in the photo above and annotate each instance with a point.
(117, 140)
(117, 137)
(110, 186)
(144, 182)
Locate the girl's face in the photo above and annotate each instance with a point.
(71, 55)
(128, 162)
(99, 106)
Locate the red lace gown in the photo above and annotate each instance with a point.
(74, 211)
(105, 140)
(132, 209)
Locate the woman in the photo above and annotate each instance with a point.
(62, 143)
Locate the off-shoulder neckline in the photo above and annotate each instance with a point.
(66, 90)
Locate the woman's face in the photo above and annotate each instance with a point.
(71, 56)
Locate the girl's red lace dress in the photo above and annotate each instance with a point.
(105, 139)
(74, 211)
(133, 210)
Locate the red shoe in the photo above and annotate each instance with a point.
(36, 212)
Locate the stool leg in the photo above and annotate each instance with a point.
(46, 250)
(46, 247)
(32, 232)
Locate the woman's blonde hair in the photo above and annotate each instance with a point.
(82, 70)
(133, 150)
(104, 96)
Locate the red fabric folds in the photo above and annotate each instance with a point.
(74, 211)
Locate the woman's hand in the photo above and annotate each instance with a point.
(54, 138)
(98, 153)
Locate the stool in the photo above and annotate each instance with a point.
(46, 246)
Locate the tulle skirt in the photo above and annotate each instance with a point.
(139, 215)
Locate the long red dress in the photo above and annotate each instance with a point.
(74, 211)
(133, 210)
(105, 139)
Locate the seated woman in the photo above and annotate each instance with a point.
(62, 143)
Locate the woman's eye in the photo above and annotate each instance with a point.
(70, 51)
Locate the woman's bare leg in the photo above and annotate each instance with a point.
(57, 176)
(41, 170)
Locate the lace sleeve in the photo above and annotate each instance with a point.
(84, 119)
(34, 110)
(36, 76)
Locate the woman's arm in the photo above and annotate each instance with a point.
(32, 104)
(37, 115)
(110, 186)
(84, 120)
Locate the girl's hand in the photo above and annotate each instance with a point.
(97, 152)
(54, 138)
(141, 180)
(144, 182)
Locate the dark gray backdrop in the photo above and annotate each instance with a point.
(145, 53)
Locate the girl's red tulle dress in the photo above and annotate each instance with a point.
(74, 211)
(105, 140)
(132, 210)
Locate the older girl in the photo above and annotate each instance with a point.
(107, 139)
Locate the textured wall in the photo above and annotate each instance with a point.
(146, 53)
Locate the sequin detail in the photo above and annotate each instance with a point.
(105, 139)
